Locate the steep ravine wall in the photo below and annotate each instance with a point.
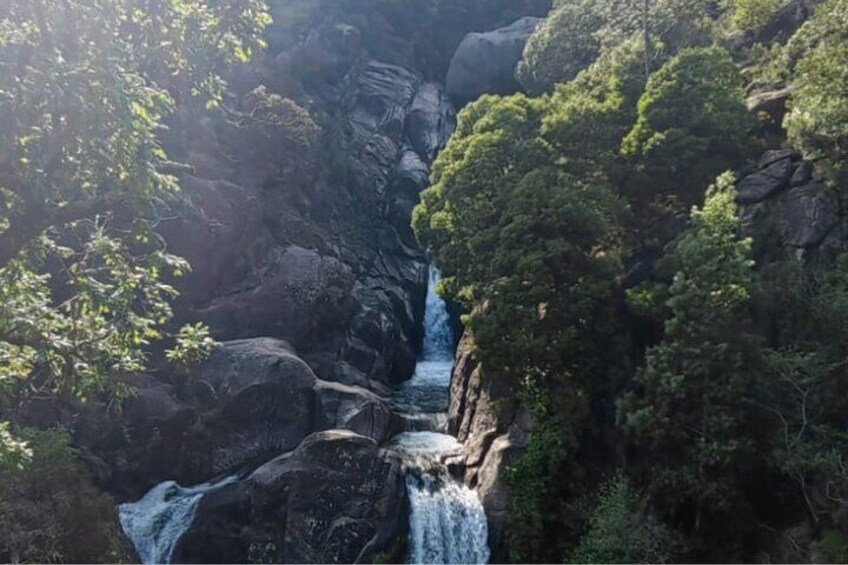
(306, 269)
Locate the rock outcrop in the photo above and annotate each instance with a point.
(484, 63)
(305, 266)
(487, 418)
(783, 202)
(337, 498)
(253, 400)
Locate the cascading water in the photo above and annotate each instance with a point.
(155, 523)
(423, 400)
(447, 522)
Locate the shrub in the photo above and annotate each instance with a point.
(622, 530)
(51, 511)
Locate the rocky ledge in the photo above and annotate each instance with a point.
(337, 498)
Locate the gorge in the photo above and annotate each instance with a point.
(424, 281)
(447, 524)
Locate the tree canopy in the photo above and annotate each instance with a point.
(86, 91)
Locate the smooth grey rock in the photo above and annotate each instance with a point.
(252, 400)
(807, 214)
(263, 404)
(353, 408)
(772, 102)
(431, 121)
(300, 295)
(484, 63)
(765, 183)
(216, 230)
(337, 498)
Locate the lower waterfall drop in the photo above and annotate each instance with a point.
(155, 523)
(447, 522)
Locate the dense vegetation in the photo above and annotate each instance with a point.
(86, 93)
(692, 411)
(709, 392)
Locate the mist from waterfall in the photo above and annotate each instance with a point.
(155, 523)
(447, 522)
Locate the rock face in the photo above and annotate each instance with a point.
(306, 268)
(486, 416)
(782, 200)
(807, 214)
(337, 498)
(317, 250)
(769, 180)
(484, 63)
(253, 400)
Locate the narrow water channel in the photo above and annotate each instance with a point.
(447, 521)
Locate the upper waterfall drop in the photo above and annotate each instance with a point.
(438, 335)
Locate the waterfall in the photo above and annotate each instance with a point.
(438, 337)
(447, 523)
(155, 523)
(423, 400)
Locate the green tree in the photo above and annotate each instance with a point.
(817, 124)
(752, 14)
(800, 390)
(51, 512)
(532, 250)
(622, 529)
(577, 32)
(85, 91)
(588, 116)
(692, 124)
(688, 413)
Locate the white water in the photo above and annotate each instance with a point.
(447, 523)
(155, 523)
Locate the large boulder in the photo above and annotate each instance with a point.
(299, 296)
(337, 498)
(252, 400)
(431, 121)
(353, 408)
(773, 177)
(261, 401)
(484, 63)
